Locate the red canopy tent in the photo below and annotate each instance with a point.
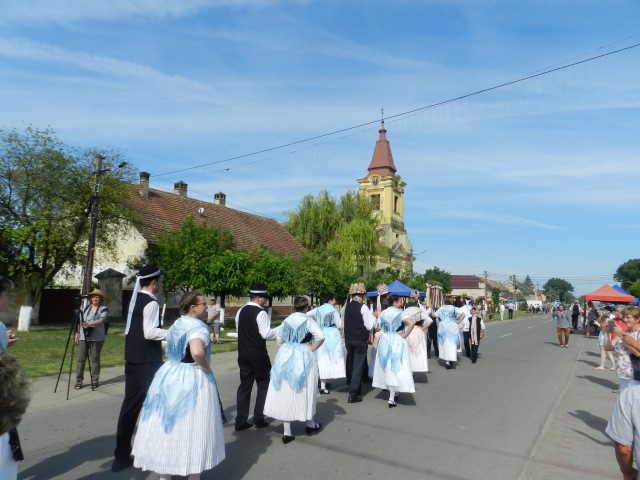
(608, 294)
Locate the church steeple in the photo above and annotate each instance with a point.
(382, 160)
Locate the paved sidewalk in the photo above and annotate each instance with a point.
(572, 444)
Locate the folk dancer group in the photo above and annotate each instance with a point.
(178, 402)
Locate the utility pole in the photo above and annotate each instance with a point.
(485, 285)
(94, 209)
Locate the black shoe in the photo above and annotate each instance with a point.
(95, 385)
(287, 439)
(428, 355)
(78, 386)
(448, 365)
(316, 429)
(354, 399)
(261, 424)
(324, 391)
(392, 404)
(118, 465)
(243, 426)
(328, 384)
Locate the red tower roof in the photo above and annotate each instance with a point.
(382, 160)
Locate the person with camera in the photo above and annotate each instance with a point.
(90, 338)
(626, 347)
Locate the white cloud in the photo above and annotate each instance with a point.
(70, 11)
(495, 218)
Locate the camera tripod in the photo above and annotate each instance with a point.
(76, 324)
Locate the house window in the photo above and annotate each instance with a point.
(375, 201)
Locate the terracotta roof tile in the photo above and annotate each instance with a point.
(382, 160)
(161, 210)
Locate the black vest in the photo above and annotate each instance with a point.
(354, 329)
(250, 342)
(138, 349)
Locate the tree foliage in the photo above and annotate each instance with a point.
(342, 232)
(318, 274)
(203, 257)
(557, 289)
(45, 188)
(528, 282)
(436, 276)
(495, 297)
(635, 289)
(628, 273)
(191, 256)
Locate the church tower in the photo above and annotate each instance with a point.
(385, 189)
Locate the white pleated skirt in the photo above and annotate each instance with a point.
(288, 405)
(417, 344)
(195, 444)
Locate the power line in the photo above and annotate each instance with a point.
(403, 114)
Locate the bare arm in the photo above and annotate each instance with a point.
(624, 456)
(407, 330)
(196, 347)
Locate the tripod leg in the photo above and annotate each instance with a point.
(72, 330)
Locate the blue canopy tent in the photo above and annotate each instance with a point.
(396, 288)
(622, 290)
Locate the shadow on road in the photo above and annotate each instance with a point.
(600, 381)
(597, 423)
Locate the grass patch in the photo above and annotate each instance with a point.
(40, 351)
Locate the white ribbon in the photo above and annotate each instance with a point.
(134, 297)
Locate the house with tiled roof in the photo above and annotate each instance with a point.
(158, 211)
(469, 286)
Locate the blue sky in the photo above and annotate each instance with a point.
(539, 178)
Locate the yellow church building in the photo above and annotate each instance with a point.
(385, 189)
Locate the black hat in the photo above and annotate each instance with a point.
(149, 271)
(258, 290)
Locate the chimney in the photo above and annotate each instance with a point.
(180, 188)
(220, 199)
(144, 184)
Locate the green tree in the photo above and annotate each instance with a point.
(528, 282)
(317, 275)
(189, 256)
(495, 298)
(436, 276)
(385, 275)
(628, 273)
(344, 229)
(45, 186)
(635, 289)
(557, 289)
(316, 221)
(277, 271)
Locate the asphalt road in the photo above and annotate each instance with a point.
(527, 410)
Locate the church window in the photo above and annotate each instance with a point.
(396, 203)
(375, 201)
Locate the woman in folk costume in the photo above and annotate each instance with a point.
(180, 428)
(417, 340)
(382, 303)
(449, 331)
(294, 375)
(393, 370)
(476, 332)
(329, 356)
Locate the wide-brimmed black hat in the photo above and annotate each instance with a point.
(258, 290)
(149, 271)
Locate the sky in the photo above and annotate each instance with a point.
(269, 100)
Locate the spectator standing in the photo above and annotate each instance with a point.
(575, 314)
(213, 320)
(563, 324)
(511, 307)
(90, 338)
(624, 429)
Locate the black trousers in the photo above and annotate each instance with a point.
(511, 313)
(574, 321)
(356, 359)
(474, 352)
(252, 369)
(466, 337)
(137, 379)
(432, 338)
